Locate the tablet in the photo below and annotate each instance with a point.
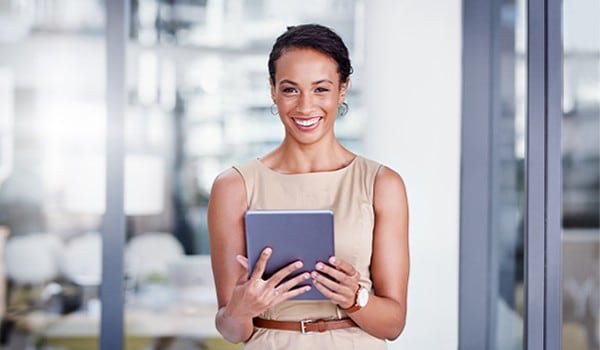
(305, 235)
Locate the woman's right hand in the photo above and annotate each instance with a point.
(252, 295)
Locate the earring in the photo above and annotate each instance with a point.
(343, 109)
(274, 110)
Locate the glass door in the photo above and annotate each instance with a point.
(581, 177)
(511, 171)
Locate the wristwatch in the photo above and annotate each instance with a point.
(360, 300)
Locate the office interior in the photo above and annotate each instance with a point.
(197, 102)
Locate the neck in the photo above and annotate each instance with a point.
(293, 158)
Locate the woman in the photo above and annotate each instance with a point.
(366, 285)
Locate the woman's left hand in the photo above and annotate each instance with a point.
(341, 285)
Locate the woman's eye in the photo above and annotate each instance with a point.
(321, 89)
(289, 90)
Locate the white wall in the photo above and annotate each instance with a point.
(413, 91)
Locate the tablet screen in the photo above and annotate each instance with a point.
(305, 235)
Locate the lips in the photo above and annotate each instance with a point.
(307, 123)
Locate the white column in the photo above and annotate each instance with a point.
(413, 87)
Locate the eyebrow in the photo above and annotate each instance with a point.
(286, 81)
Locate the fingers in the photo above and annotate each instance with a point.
(338, 283)
(269, 296)
(244, 262)
(294, 293)
(339, 294)
(282, 292)
(285, 291)
(343, 266)
(348, 275)
(333, 285)
(284, 272)
(328, 293)
(259, 267)
(287, 285)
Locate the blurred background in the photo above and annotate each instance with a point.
(198, 102)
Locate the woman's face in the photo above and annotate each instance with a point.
(307, 92)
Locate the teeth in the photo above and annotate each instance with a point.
(307, 122)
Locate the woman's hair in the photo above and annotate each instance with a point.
(316, 37)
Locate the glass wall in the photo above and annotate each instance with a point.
(581, 175)
(197, 103)
(52, 117)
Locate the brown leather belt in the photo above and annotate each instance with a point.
(305, 326)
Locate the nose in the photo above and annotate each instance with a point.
(305, 104)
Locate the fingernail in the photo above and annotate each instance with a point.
(306, 276)
(313, 274)
(268, 250)
(307, 288)
(298, 264)
(319, 266)
(332, 260)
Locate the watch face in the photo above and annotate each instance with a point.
(363, 297)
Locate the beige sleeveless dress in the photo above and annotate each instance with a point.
(349, 193)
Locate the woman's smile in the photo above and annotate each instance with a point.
(307, 124)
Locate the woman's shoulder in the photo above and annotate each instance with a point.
(389, 187)
(237, 179)
(384, 175)
(229, 178)
(238, 173)
(227, 196)
(377, 168)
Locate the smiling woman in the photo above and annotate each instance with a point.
(365, 282)
(307, 94)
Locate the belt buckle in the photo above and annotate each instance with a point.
(303, 326)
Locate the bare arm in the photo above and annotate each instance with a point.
(226, 209)
(384, 315)
(240, 296)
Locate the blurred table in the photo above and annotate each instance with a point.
(143, 328)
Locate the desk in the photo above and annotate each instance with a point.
(143, 329)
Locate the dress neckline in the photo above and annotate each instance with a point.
(337, 171)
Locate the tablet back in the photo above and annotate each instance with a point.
(305, 235)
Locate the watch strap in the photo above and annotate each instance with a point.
(354, 307)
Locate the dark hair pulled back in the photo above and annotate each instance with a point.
(316, 37)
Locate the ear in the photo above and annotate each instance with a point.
(272, 90)
(343, 89)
